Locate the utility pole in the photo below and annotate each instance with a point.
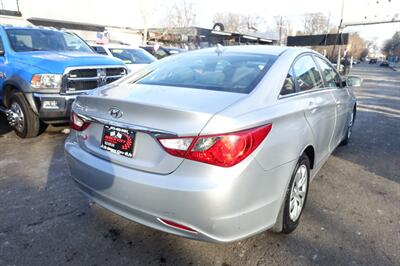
(336, 39)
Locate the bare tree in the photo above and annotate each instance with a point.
(145, 11)
(284, 28)
(231, 21)
(181, 15)
(315, 23)
(357, 45)
(235, 22)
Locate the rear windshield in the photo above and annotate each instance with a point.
(231, 72)
(132, 56)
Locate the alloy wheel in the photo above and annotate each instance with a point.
(350, 125)
(298, 193)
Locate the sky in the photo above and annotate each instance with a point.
(127, 13)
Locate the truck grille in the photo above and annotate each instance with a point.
(80, 79)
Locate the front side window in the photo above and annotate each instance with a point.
(231, 72)
(332, 78)
(132, 56)
(28, 40)
(307, 74)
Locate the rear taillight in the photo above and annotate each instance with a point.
(224, 150)
(77, 122)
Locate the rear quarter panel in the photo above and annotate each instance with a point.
(289, 136)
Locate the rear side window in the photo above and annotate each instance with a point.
(231, 72)
(332, 78)
(289, 86)
(307, 74)
(160, 53)
(100, 50)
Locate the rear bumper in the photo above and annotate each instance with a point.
(221, 204)
(59, 113)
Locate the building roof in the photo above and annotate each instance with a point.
(203, 32)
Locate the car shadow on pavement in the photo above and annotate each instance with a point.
(375, 146)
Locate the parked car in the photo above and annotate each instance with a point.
(134, 57)
(215, 144)
(384, 63)
(373, 61)
(162, 51)
(42, 71)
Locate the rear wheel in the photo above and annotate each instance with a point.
(296, 195)
(25, 122)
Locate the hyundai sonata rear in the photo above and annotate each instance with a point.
(195, 145)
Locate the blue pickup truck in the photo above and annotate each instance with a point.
(42, 70)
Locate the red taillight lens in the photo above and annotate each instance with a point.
(78, 123)
(224, 150)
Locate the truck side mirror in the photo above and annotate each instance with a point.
(353, 81)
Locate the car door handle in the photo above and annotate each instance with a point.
(312, 107)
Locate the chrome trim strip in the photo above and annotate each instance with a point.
(152, 131)
(327, 89)
(84, 79)
(65, 78)
(115, 76)
(61, 96)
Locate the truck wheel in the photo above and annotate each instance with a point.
(25, 122)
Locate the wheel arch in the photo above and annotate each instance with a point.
(8, 89)
(310, 152)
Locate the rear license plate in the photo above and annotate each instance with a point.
(118, 140)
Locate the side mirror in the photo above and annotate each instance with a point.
(353, 81)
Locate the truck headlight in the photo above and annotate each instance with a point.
(46, 81)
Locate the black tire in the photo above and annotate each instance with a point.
(349, 129)
(288, 225)
(32, 126)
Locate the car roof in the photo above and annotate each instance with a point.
(6, 27)
(259, 49)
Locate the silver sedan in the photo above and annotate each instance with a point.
(217, 144)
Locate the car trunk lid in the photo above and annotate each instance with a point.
(149, 110)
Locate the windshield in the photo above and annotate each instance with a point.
(132, 56)
(231, 72)
(27, 40)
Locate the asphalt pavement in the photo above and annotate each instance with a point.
(352, 215)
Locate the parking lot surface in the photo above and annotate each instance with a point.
(352, 215)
